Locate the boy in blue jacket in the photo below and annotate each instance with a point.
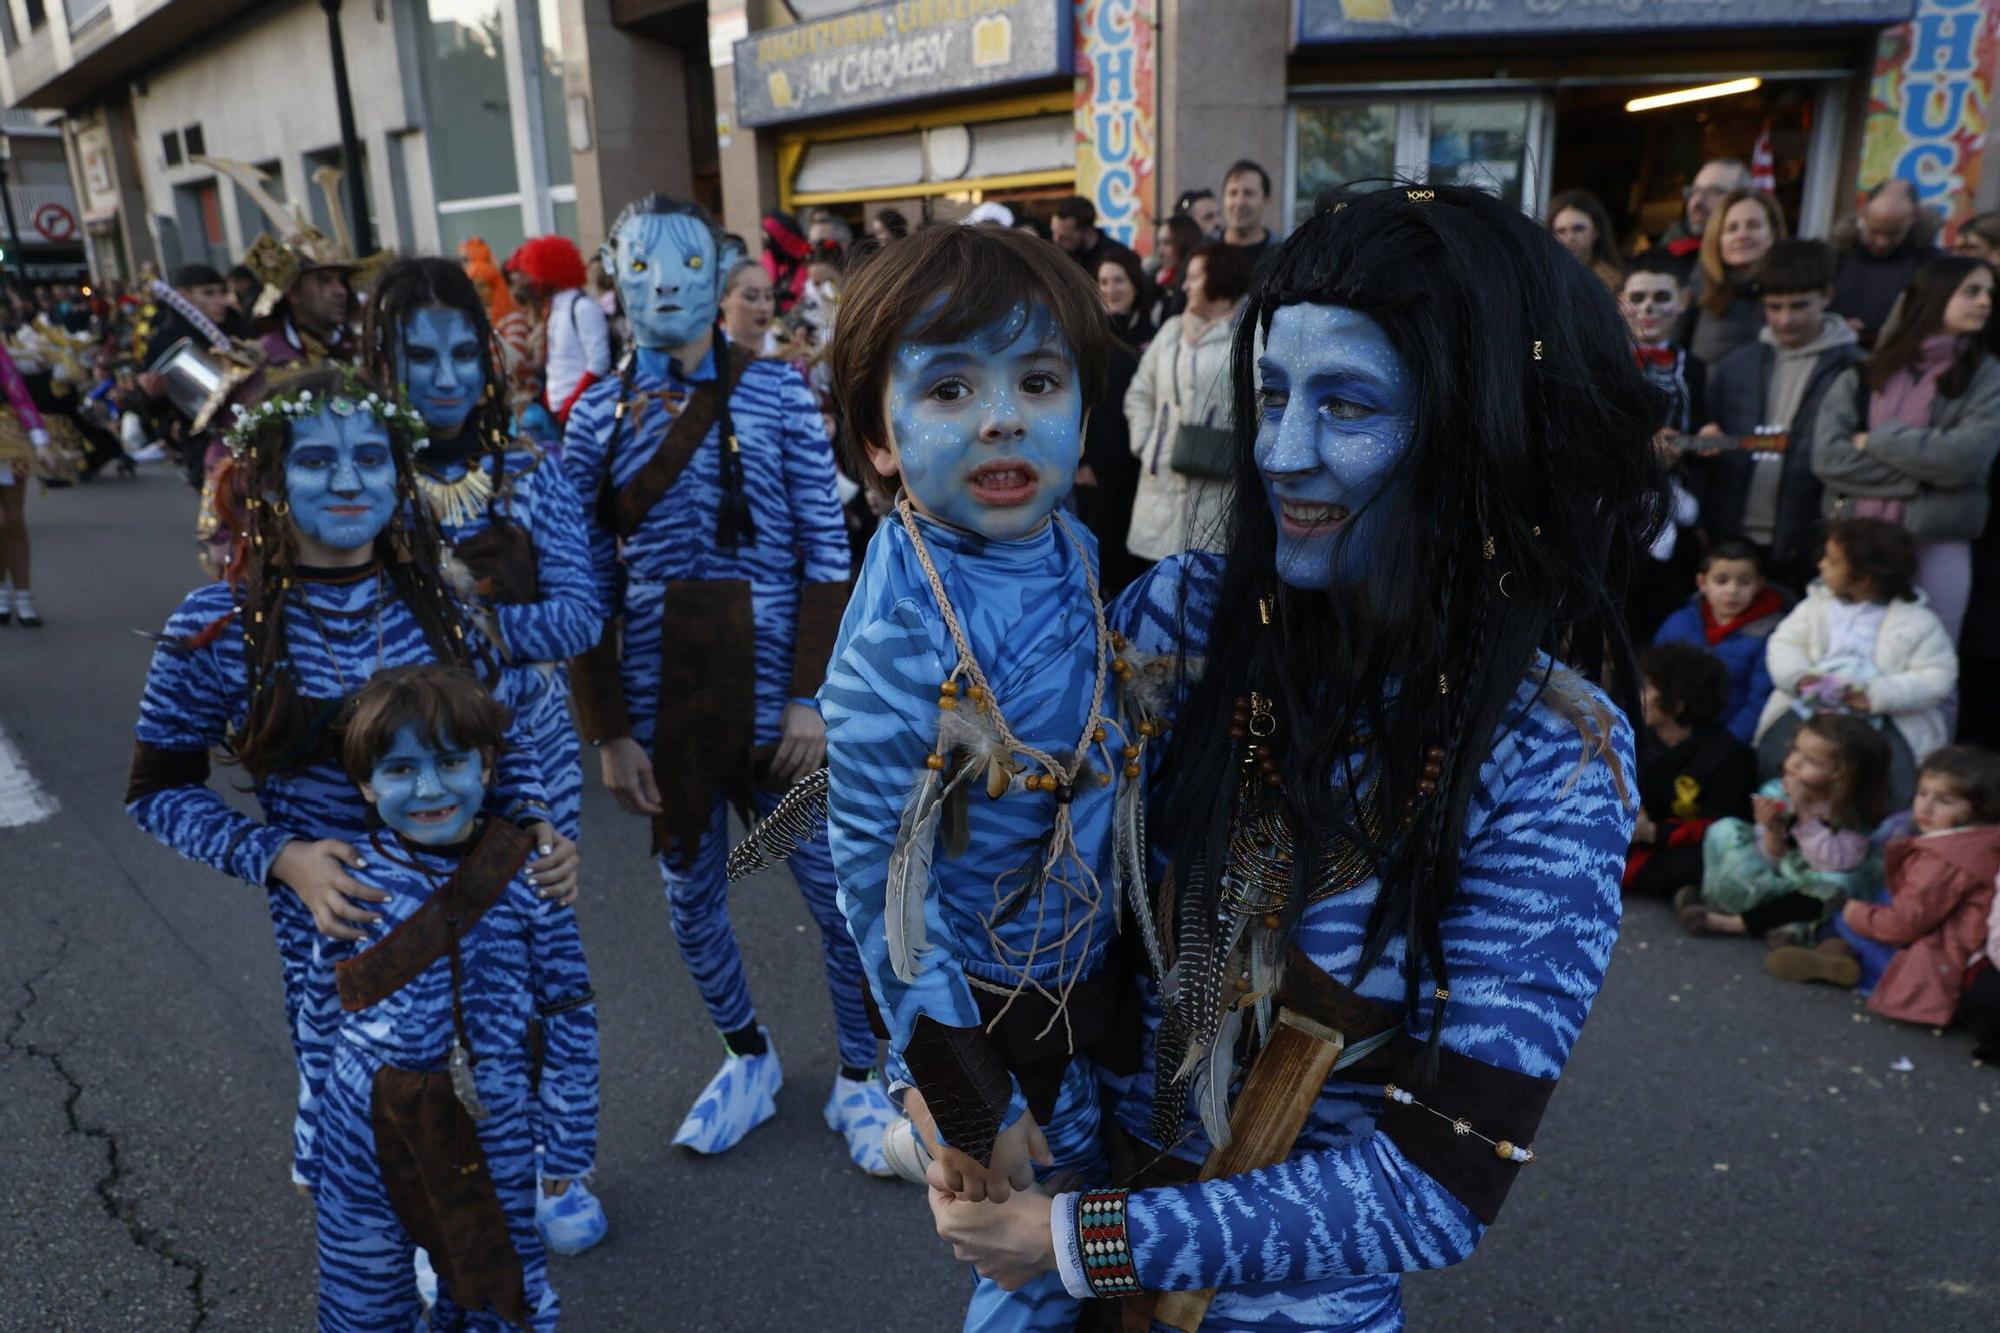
(1732, 615)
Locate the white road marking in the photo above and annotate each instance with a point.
(22, 800)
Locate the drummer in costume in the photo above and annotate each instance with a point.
(428, 1125)
(1394, 813)
(335, 577)
(721, 559)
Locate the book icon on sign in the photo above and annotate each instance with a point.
(992, 41)
(779, 84)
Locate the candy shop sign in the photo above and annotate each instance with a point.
(1929, 102)
(1117, 115)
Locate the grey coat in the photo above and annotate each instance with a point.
(1940, 469)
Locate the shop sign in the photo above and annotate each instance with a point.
(1117, 115)
(1928, 104)
(1325, 21)
(888, 53)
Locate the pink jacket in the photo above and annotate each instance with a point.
(18, 396)
(1940, 894)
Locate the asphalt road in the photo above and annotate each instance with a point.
(1726, 1151)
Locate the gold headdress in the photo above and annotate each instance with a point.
(298, 246)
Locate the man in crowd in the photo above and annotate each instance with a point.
(1712, 184)
(1204, 208)
(827, 226)
(1246, 190)
(1880, 250)
(1074, 228)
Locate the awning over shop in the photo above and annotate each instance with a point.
(1012, 144)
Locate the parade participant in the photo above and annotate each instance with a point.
(510, 324)
(427, 1130)
(972, 690)
(722, 566)
(335, 577)
(1395, 809)
(24, 446)
(302, 312)
(575, 335)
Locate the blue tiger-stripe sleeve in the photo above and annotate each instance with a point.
(809, 476)
(566, 620)
(586, 462)
(518, 791)
(568, 1091)
(1527, 943)
(880, 704)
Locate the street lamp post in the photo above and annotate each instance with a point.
(7, 203)
(350, 138)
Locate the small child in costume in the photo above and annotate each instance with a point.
(1692, 771)
(1909, 951)
(973, 688)
(1732, 614)
(1808, 846)
(425, 1128)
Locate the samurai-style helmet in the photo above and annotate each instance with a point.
(298, 246)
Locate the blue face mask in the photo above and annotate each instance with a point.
(1334, 408)
(443, 367)
(428, 793)
(987, 432)
(340, 478)
(669, 278)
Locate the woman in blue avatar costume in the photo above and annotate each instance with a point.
(1389, 830)
(335, 577)
(977, 690)
(428, 1126)
(722, 565)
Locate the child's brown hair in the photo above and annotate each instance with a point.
(446, 704)
(1692, 682)
(983, 275)
(1884, 553)
(1975, 771)
(1861, 791)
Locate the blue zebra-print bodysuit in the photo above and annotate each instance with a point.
(195, 698)
(1320, 1241)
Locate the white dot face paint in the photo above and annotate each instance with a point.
(1334, 405)
(987, 433)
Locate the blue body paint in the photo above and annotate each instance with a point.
(1334, 406)
(669, 278)
(429, 789)
(340, 479)
(442, 364)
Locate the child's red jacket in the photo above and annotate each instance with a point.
(1940, 894)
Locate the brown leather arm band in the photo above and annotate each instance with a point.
(155, 769)
(1500, 1104)
(965, 1085)
(599, 692)
(821, 606)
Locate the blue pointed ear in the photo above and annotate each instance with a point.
(728, 254)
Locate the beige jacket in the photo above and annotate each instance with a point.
(1184, 376)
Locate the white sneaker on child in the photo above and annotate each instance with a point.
(904, 1152)
(571, 1222)
(736, 1101)
(861, 1112)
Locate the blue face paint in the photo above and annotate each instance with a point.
(428, 793)
(1334, 408)
(442, 365)
(987, 432)
(340, 478)
(669, 278)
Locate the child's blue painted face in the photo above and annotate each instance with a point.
(987, 432)
(1334, 418)
(669, 278)
(340, 478)
(443, 367)
(428, 793)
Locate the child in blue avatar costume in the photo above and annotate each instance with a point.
(428, 1124)
(975, 689)
(335, 577)
(722, 565)
(1390, 827)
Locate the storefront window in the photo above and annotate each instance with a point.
(555, 109)
(1488, 144)
(470, 119)
(499, 226)
(1480, 144)
(1339, 144)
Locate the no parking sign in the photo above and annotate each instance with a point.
(55, 222)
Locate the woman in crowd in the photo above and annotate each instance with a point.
(1579, 220)
(1177, 238)
(1108, 481)
(1912, 434)
(1726, 312)
(1978, 237)
(749, 307)
(1129, 299)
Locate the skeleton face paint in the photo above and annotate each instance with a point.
(1334, 402)
(340, 479)
(986, 432)
(428, 793)
(443, 367)
(669, 278)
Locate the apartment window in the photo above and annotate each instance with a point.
(83, 13)
(37, 16)
(196, 141)
(198, 211)
(170, 147)
(8, 37)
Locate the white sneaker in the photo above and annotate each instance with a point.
(736, 1101)
(862, 1113)
(571, 1222)
(427, 1278)
(904, 1153)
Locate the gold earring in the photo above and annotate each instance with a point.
(281, 507)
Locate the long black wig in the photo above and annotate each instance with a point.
(1527, 486)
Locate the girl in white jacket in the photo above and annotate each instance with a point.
(1864, 639)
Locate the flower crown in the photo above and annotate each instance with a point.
(353, 396)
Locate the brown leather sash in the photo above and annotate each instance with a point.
(707, 715)
(821, 605)
(501, 556)
(156, 768)
(599, 690)
(625, 509)
(402, 955)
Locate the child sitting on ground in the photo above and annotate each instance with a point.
(1692, 771)
(1910, 951)
(1732, 615)
(1864, 641)
(426, 1121)
(1808, 845)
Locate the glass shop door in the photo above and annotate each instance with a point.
(1495, 142)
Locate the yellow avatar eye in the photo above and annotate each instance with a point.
(694, 261)
(638, 266)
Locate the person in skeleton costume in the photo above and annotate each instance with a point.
(1392, 820)
(977, 690)
(335, 577)
(723, 566)
(432, 1103)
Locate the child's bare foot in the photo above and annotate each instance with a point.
(1723, 923)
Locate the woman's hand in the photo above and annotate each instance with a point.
(628, 774)
(317, 872)
(1010, 1243)
(801, 744)
(553, 865)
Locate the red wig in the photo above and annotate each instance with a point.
(552, 263)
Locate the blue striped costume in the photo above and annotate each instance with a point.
(521, 962)
(195, 698)
(1026, 611)
(788, 476)
(1320, 1241)
(542, 635)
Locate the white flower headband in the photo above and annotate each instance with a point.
(303, 404)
